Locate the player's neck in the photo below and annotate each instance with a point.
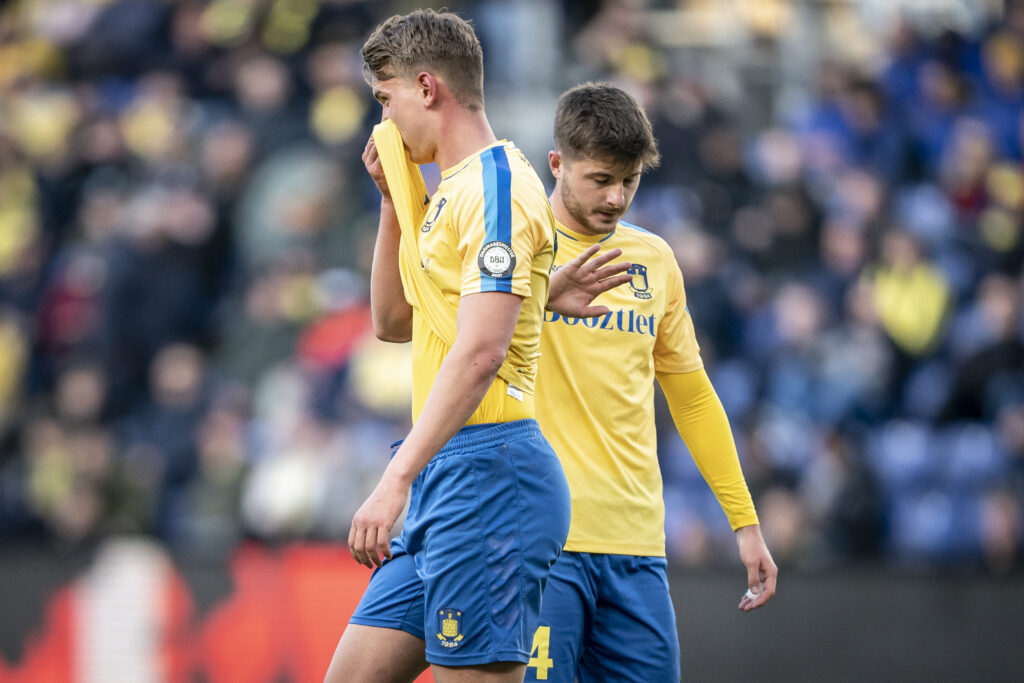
(462, 133)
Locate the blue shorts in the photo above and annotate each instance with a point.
(487, 519)
(606, 618)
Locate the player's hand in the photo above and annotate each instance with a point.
(581, 280)
(369, 539)
(371, 160)
(761, 570)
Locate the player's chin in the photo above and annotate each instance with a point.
(603, 222)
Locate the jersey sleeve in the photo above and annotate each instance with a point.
(499, 257)
(676, 349)
(704, 427)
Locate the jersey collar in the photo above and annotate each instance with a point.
(571, 234)
(449, 172)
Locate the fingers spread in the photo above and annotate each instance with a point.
(604, 284)
(604, 258)
(613, 269)
(582, 258)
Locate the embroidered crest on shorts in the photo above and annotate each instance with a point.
(449, 624)
(496, 259)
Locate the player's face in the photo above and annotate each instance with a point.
(595, 192)
(400, 101)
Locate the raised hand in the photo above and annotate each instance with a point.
(577, 283)
(371, 160)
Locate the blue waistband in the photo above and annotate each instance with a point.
(472, 437)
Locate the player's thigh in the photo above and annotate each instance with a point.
(566, 616)
(384, 638)
(371, 654)
(634, 638)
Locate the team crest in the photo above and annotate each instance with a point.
(429, 223)
(449, 624)
(638, 284)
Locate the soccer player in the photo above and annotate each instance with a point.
(489, 503)
(607, 614)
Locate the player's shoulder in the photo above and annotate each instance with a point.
(499, 164)
(638, 237)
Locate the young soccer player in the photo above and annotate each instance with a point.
(467, 283)
(607, 614)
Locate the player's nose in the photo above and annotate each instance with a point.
(616, 196)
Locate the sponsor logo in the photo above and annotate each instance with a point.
(620, 320)
(449, 624)
(496, 259)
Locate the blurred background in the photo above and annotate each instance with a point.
(192, 403)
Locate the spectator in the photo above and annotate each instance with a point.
(185, 231)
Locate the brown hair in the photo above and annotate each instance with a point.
(427, 40)
(601, 121)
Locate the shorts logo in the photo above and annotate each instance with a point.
(641, 290)
(437, 212)
(449, 621)
(496, 259)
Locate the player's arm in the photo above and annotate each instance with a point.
(577, 283)
(486, 323)
(704, 426)
(392, 314)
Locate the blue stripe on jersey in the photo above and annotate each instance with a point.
(497, 210)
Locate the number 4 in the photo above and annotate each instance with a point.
(541, 641)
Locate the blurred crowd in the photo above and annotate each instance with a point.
(186, 233)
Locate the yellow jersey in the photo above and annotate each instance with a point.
(595, 393)
(488, 228)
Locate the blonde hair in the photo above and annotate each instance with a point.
(427, 40)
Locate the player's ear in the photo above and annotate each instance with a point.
(427, 84)
(555, 164)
